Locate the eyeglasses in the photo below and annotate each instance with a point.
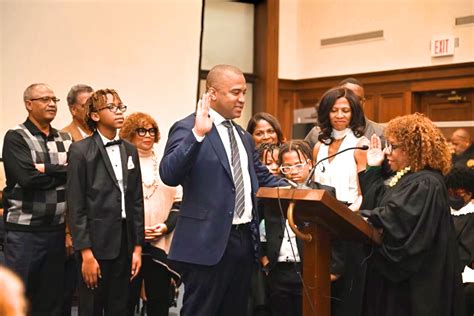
(141, 131)
(293, 169)
(391, 147)
(113, 108)
(46, 100)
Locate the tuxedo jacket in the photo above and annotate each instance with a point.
(74, 131)
(94, 198)
(207, 209)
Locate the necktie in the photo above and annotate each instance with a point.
(237, 168)
(114, 142)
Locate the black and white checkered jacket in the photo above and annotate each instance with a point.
(39, 208)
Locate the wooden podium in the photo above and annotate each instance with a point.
(324, 218)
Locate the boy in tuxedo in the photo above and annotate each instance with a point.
(105, 201)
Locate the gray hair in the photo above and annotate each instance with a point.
(75, 90)
(31, 87)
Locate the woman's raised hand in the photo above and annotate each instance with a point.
(375, 153)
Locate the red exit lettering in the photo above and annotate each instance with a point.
(441, 46)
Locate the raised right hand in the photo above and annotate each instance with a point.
(203, 123)
(375, 153)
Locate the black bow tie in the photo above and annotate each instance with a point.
(114, 142)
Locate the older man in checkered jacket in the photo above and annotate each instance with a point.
(35, 156)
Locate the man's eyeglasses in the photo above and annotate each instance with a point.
(391, 147)
(113, 108)
(141, 131)
(46, 100)
(293, 169)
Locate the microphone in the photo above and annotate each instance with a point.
(289, 182)
(311, 174)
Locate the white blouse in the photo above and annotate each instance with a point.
(341, 172)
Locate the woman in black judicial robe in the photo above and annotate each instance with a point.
(415, 271)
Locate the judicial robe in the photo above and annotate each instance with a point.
(415, 271)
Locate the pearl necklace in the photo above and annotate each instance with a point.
(146, 187)
(397, 176)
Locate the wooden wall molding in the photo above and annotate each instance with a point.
(389, 76)
(389, 93)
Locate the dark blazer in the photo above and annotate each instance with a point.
(207, 209)
(94, 198)
(275, 231)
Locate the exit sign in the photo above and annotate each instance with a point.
(442, 46)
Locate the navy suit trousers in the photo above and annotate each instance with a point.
(221, 289)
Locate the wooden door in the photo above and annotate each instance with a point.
(450, 109)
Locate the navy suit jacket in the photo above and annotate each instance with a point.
(207, 209)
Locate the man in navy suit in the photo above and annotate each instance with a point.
(216, 237)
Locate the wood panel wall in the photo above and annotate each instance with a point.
(266, 56)
(389, 93)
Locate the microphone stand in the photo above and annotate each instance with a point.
(311, 174)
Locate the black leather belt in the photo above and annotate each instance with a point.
(284, 263)
(240, 226)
